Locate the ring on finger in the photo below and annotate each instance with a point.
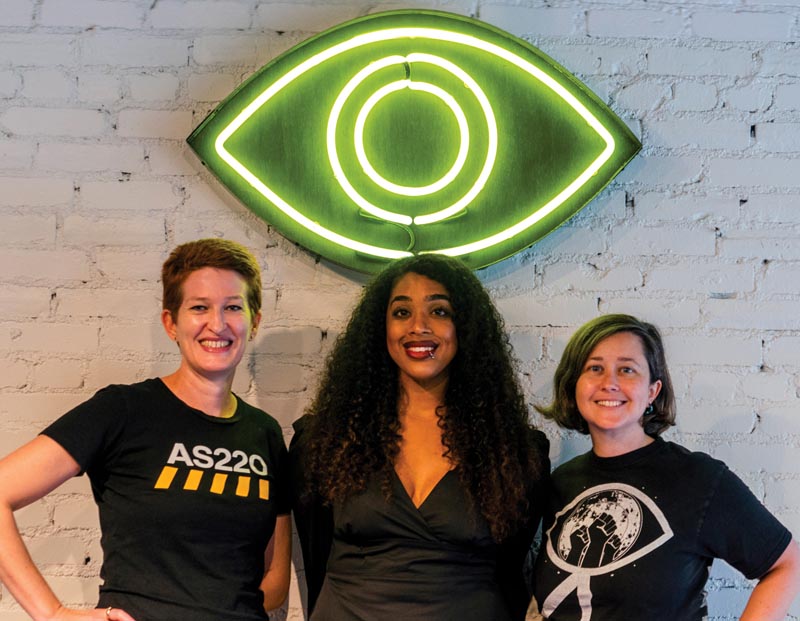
(108, 612)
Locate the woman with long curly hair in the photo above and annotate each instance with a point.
(420, 476)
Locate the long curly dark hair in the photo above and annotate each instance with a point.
(354, 428)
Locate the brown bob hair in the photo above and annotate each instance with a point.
(564, 409)
(221, 254)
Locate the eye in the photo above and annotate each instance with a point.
(594, 368)
(400, 312)
(404, 133)
(198, 308)
(626, 512)
(442, 311)
(236, 308)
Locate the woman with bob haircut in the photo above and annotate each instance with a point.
(190, 480)
(420, 478)
(637, 521)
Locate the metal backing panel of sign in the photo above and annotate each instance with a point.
(414, 131)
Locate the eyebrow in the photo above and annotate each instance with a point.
(621, 359)
(429, 298)
(201, 298)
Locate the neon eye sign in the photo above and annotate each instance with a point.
(414, 131)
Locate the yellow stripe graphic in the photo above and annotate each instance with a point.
(165, 478)
(193, 480)
(218, 483)
(243, 486)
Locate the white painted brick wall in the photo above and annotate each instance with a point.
(83, 13)
(699, 234)
(647, 23)
(29, 121)
(177, 14)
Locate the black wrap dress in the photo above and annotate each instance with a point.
(370, 558)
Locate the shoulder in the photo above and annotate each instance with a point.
(147, 387)
(139, 395)
(576, 464)
(539, 451)
(116, 397)
(259, 417)
(89, 430)
(302, 434)
(695, 461)
(538, 439)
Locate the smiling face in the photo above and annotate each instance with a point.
(213, 322)
(613, 390)
(420, 332)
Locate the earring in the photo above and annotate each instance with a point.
(649, 409)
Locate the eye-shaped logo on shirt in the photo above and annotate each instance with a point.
(414, 131)
(604, 528)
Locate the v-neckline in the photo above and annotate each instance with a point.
(429, 494)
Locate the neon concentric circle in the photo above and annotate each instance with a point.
(463, 128)
(480, 181)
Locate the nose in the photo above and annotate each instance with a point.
(420, 325)
(610, 381)
(216, 320)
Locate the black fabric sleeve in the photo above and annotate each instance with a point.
(88, 431)
(283, 475)
(740, 530)
(284, 499)
(511, 575)
(313, 518)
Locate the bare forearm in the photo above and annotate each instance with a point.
(774, 593)
(26, 475)
(19, 573)
(277, 561)
(767, 603)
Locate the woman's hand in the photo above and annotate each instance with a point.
(97, 614)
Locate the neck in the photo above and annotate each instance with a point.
(605, 446)
(420, 401)
(210, 396)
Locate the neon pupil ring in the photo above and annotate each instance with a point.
(341, 177)
(463, 149)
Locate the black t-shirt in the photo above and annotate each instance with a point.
(187, 502)
(634, 535)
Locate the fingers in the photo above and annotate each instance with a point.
(115, 614)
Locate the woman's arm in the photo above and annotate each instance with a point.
(277, 564)
(26, 475)
(776, 589)
(312, 517)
